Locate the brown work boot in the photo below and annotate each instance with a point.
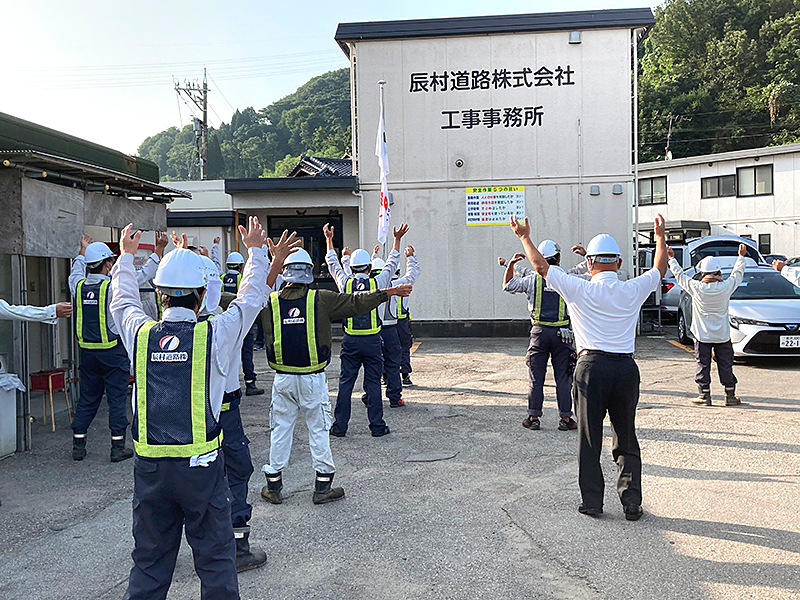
(272, 491)
(323, 492)
(730, 397)
(703, 397)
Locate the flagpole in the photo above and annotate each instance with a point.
(382, 83)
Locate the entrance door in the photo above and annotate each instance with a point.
(309, 229)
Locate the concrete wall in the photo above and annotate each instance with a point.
(584, 139)
(777, 214)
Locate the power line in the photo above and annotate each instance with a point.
(220, 92)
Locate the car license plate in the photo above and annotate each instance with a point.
(790, 341)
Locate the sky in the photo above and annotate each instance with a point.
(104, 70)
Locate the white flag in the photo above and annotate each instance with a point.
(383, 163)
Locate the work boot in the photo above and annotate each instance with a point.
(730, 397)
(407, 380)
(272, 491)
(78, 446)
(703, 396)
(250, 389)
(118, 450)
(323, 492)
(246, 557)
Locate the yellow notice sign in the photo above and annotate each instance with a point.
(494, 205)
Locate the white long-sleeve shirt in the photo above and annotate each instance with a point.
(44, 314)
(710, 302)
(388, 310)
(604, 310)
(228, 329)
(78, 273)
(383, 279)
(792, 274)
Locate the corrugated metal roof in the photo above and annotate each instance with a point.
(65, 170)
(530, 22)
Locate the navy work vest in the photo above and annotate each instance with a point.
(91, 316)
(295, 348)
(231, 282)
(548, 308)
(368, 323)
(172, 365)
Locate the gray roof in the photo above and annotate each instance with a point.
(319, 166)
(585, 19)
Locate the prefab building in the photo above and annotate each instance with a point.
(491, 116)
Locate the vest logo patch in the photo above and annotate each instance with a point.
(297, 321)
(169, 356)
(168, 343)
(90, 295)
(90, 302)
(294, 312)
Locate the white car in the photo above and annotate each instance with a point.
(764, 313)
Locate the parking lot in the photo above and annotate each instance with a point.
(460, 501)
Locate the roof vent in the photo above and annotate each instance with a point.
(574, 37)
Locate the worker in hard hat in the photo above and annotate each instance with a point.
(104, 364)
(711, 328)
(362, 341)
(390, 314)
(230, 283)
(235, 444)
(181, 366)
(297, 331)
(550, 338)
(604, 312)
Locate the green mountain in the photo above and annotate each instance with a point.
(315, 119)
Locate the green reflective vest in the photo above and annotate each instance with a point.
(294, 348)
(91, 319)
(366, 324)
(547, 311)
(173, 417)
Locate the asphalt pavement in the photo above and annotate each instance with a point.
(460, 501)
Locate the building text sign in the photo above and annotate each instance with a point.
(495, 205)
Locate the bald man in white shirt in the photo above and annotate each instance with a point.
(604, 313)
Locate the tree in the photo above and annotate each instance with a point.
(314, 120)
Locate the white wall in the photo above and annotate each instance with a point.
(557, 162)
(752, 215)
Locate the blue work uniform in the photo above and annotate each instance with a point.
(361, 346)
(181, 368)
(406, 337)
(548, 315)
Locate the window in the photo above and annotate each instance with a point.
(764, 243)
(653, 191)
(746, 236)
(717, 187)
(754, 181)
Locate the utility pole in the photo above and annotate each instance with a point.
(672, 120)
(199, 97)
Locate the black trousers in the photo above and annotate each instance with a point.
(607, 383)
(166, 494)
(103, 371)
(247, 356)
(406, 341)
(546, 343)
(238, 464)
(723, 353)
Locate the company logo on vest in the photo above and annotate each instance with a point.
(169, 343)
(90, 298)
(294, 317)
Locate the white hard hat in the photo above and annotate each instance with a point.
(378, 264)
(97, 252)
(234, 258)
(548, 248)
(360, 258)
(211, 269)
(180, 273)
(709, 264)
(301, 257)
(603, 244)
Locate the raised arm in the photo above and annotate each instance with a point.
(791, 274)
(79, 265)
(523, 232)
(215, 253)
(280, 252)
(412, 267)
(662, 256)
(126, 305)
